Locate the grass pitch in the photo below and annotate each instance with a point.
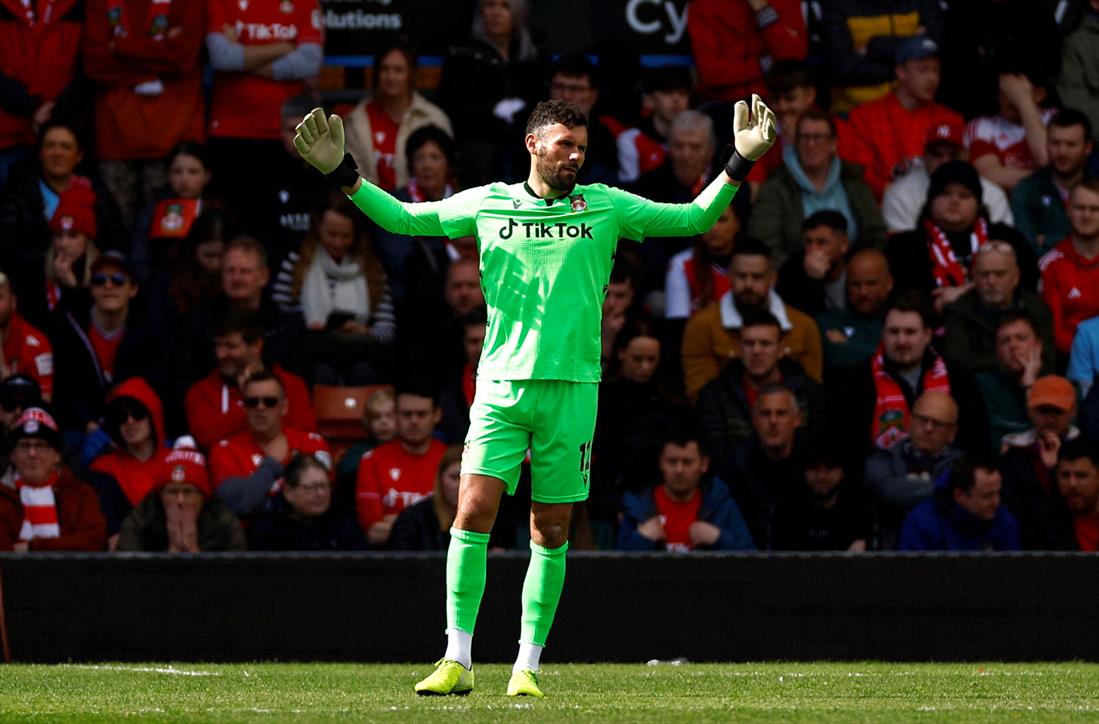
(871, 692)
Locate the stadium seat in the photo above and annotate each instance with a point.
(340, 413)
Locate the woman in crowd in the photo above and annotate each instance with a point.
(699, 275)
(195, 260)
(425, 526)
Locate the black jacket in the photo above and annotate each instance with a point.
(278, 529)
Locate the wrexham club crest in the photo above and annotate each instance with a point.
(578, 203)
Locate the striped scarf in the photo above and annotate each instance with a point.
(945, 267)
(891, 413)
(39, 510)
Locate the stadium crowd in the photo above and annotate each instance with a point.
(888, 341)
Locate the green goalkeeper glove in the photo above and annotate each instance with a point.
(320, 142)
(752, 135)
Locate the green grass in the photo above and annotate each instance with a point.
(692, 692)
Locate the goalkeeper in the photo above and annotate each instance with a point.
(546, 248)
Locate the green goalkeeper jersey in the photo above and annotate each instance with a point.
(545, 263)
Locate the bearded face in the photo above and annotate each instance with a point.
(559, 154)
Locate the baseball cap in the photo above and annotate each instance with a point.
(1051, 391)
(948, 132)
(19, 391)
(916, 47)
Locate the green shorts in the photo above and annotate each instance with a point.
(553, 419)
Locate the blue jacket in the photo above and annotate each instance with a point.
(939, 525)
(718, 508)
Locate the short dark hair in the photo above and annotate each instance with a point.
(574, 65)
(1069, 117)
(1091, 183)
(760, 318)
(417, 385)
(297, 467)
(264, 376)
(248, 244)
(247, 322)
(963, 476)
(667, 78)
(913, 301)
(61, 121)
(430, 134)
(193, 149)
(1077, 448)
(786, 75)
(826, 217)
(401, 44)
(626, 268)
(1016, 315)
(682, 432)
(548, 113)
(478, 315)
(751, 247)
(814, 114)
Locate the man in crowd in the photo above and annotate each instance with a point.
(1078, 486)
(813, 278)
(1070, 273)
(1020, 361)
(851, 334)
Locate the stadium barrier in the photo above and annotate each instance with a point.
(627, 608)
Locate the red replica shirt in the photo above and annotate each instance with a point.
(1070, 288)
(106, 348)
(136, 478)
(245, 105)
(241, 455)
(677, 517)
(884, 136)
(384, 130)
(28, 352)
(1000, 137)
(1087, 532)
(391, 479)
(215, 409)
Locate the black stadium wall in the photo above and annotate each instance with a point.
(628, 608)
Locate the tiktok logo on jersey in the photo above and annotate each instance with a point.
(543, 230)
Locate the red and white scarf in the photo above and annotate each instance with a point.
(39, 510)
(891, 413)
(417, 195)
(945, 267)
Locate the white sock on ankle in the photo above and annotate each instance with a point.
(459, 646)
(528, 658)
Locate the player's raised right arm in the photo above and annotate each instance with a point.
(320, 141)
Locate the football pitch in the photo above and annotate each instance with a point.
(843, 692)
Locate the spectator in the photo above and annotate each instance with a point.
(1020, 360)
(429, 152)
(401, 472)
(378, 128)
(905, 474)
(904, 199)
(380, 421)
(850, 335)
(686, 170)
(244, 277)
(123, 475)
(862, 38)
(1078, 486)
(635, 412)
(734, 43)
(181, 515)
(768, 466)
(247, 468)
(713, 335)
(170, 212)
(344, 297)
(425, 526)
(195, 261)
(966, 515)
(621, 303)
(698, 276)
(685, 511)
(1040, 201)
(791, 92)
(26, 350)
(936, 256)
(30, 201)
(725, 404)
(215, 404)
(1083, 363)
(1030, 460)
(110, 340)
(888, 133)
(644, 147)
(17, 393)
(813, 178)
(814, 278)
(829, 513)
(574, 80)
(1078, 82)
(1008, 147)
(440, 354)
(874, 403)
(261, 56)
(72, 251)
(972, 319)
(1070, 273)
(304, 519)
(457, 397)
(49, 509)
(36, 91)
(145, 58)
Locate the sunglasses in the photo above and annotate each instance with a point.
(253, 402)
(129, 412)
(117, 279)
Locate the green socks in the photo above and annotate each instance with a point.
(466, 562)
(541, 592)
